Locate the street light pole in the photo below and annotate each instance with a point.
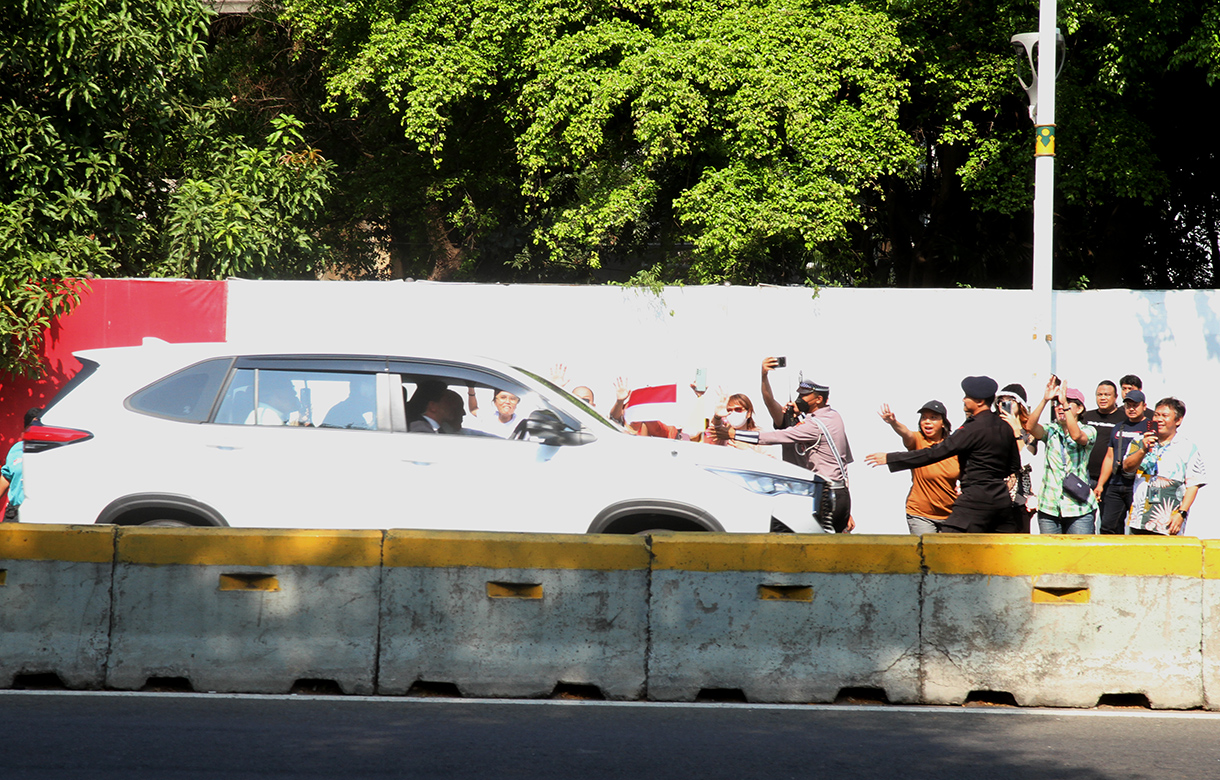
(1044, 67)
(1044, 178)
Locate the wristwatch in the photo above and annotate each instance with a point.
(1182, 512)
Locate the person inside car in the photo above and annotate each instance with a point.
(505, 419)
(277, 402)
(357, 410)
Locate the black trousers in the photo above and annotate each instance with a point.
(1115, 504)
(982, 509)
(834, 510)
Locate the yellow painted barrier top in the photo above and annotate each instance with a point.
(1211, 559)
(1007, 555)
(834, 554)
(72, 543)
(443, 549)
(248, 547)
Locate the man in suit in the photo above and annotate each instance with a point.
(440, 409)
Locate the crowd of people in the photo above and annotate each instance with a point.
(1056, 467)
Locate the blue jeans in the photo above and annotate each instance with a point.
(1049, 524)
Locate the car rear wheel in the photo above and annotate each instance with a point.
(165, 524)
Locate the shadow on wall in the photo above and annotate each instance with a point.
(1154, 322)
(1211, 322)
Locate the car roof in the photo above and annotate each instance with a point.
(159, 354)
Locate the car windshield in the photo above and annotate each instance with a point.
(571, 399)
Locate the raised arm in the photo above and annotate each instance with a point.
(1072, 425)
(774, 408)
(905, 433)
(1136, 453)
(1031, 423)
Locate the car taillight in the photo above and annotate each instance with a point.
(46, 437)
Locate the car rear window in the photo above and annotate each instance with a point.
(185, 395)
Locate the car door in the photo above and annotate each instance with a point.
(478, 481)
(302, 443)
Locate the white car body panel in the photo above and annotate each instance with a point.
(305, 477)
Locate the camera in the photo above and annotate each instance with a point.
(790, 418)
(781, 362)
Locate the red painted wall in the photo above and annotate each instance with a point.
(114, 313)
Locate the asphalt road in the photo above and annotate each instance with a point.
(136, 736)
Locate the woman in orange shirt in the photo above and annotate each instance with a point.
(933, 487)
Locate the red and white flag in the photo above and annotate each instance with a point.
(652, 403)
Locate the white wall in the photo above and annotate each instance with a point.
(872, 346)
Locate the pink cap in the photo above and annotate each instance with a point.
(1075, 395)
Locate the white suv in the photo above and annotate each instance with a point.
(167, 434)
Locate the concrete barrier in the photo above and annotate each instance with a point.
(55, 602)
(784, 618)
(513, 614)
(1211, 624)
(245, 609)
(1063, 620)
(1052, 621)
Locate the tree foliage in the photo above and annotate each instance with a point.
(862, 142)
(107, 140)
(854, 142)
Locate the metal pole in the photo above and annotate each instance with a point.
(1044, 179)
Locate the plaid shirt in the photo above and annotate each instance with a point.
(1060, 447)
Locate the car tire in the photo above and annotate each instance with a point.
(165, 524)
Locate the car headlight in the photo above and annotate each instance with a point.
(769, 484)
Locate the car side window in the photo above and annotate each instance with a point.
(322, 399)
(440, 403)
(185, 395)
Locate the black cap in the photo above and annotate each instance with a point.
(979, 387)
(935, 406)
(1135, 396)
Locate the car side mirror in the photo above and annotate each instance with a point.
(544, 426)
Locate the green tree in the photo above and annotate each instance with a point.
(83, 93)
(113, 161)
(242, 210)
(733, 137)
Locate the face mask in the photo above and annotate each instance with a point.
(735, 419)
(802, 406)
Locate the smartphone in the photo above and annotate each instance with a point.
(1054, 380)
(700, 379)
(1006, 405)
(781, 362)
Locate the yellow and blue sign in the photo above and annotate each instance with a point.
(1044, 146)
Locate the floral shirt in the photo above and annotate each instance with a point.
(1063, 455)
(1161, 481)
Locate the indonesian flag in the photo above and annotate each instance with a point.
(652, 403)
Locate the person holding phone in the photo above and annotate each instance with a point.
(1012, 406)
(1066, 504)
(819, 441)
(1168, 473)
